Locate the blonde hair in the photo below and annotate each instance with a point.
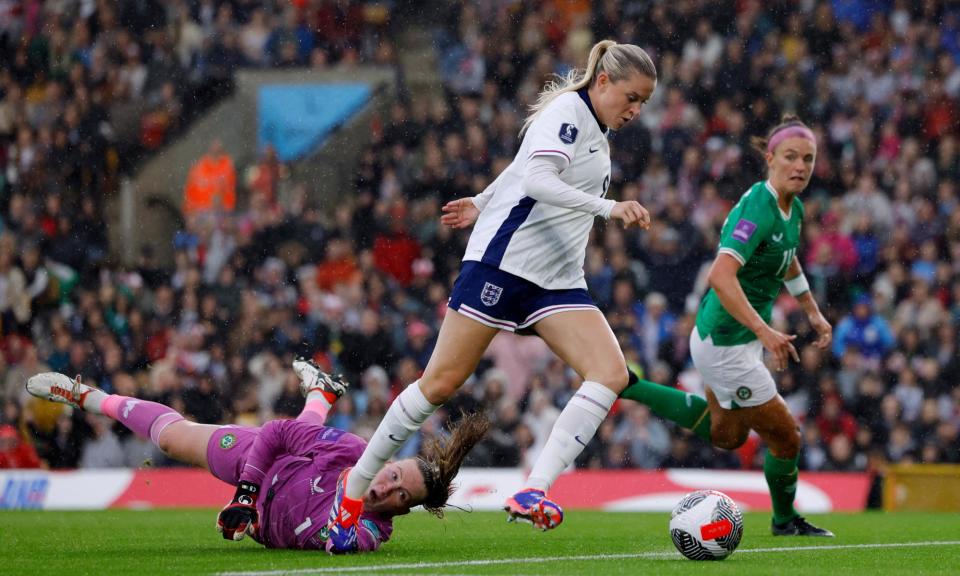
(619, 61)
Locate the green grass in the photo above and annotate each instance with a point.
(185, 542)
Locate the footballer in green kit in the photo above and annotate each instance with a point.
(764, 240)
(756, 257)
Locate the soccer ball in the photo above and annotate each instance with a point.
(706, 525)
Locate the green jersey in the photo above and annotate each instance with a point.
(764, 240)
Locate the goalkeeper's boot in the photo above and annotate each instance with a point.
(312, 378)
(344, 516)
(60, 388)
(798, 527)
(532, 506)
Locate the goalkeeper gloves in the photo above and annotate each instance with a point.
(240, 517)
(344, 517)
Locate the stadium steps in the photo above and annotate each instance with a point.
(418, 60)
(147, 211)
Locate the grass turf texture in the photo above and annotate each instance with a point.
(185, 542)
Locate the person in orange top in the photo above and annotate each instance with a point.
(212, 183)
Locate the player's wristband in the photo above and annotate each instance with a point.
(797, 285)
(247, 493)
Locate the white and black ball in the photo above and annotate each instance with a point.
(706, 525)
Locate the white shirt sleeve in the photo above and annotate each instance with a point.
(541, 181)
(482, 199)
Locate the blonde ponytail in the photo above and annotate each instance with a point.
(618, 60)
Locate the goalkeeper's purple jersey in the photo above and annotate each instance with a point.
(297, 465)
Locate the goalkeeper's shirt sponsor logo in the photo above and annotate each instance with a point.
(330, 434)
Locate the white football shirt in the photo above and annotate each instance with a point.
(536, 241)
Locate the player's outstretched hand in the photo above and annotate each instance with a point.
(460, 213)
(823, 329)
(240, 516)
(631, 213)
(780, 346)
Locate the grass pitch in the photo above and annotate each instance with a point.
(185, 542)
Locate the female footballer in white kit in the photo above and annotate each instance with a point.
(523, 269)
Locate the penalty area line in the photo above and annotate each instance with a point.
(542, 560)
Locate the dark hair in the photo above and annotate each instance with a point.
(443, 458)
(759, 143)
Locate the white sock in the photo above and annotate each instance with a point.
(404, 417)
(92, 402)
(573, 430)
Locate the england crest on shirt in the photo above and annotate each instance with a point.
(568, 133)
(490, 294)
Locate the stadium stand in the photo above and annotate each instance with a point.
(361, 285)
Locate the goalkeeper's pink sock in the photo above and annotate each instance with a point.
(315, 411)
(319, 402)
(146, 419)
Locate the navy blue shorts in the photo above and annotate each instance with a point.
(501, 300)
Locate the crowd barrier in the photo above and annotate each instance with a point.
(479, 489)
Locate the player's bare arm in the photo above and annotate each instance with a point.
(806, 300)
(723, 279)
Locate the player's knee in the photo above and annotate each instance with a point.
(613, 377)
(727, 442)
(440, 386)
(167, 442)
(788, 445)
(727, 438)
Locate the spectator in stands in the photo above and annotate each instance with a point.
(864, 330)
(15, 451)
(394, 249)
(212, 183)
(655, 325)
(833, 241)
(62, 447)
(834, 421)
(646, 438)
(103, 449)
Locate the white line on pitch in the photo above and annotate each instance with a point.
(541, 560)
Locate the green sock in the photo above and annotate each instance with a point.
(671, 404)
(782, 480)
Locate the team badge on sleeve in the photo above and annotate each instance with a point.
(568, 133)
(744, 230)
(490, 294)
(228, 441)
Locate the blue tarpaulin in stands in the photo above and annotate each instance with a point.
(297, 118)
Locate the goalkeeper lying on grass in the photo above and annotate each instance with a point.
(288, 473)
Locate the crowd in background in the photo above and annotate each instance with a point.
(361, 284)
(87, 89)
